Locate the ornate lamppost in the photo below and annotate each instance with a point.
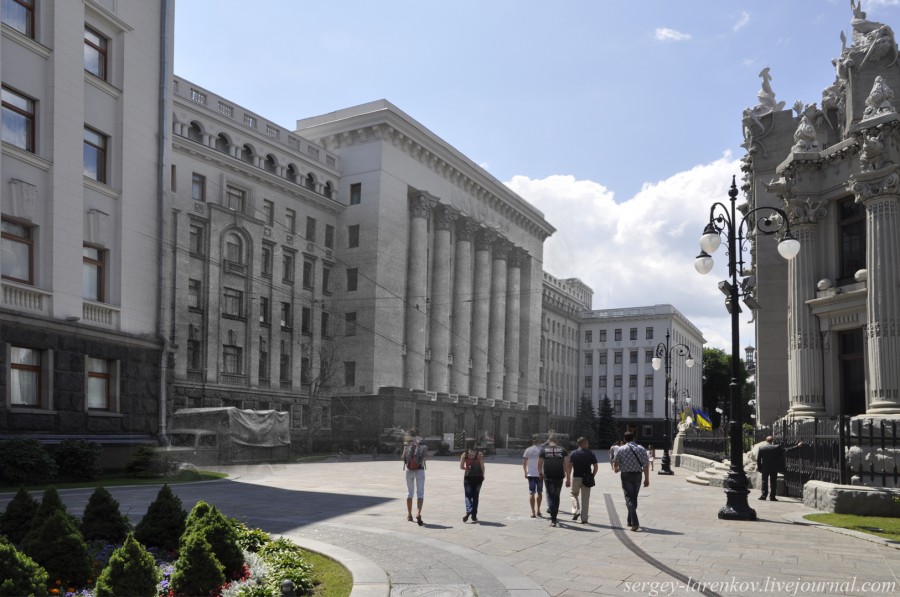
(760, 220)
(663, 356)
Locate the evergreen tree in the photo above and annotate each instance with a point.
(208, 522)
(50, 503)
(584, 419)
(131, 571)
(163, 524)
(21, 575)
(19, 514)
(102, 519)
(57, 545)
(197, 571)
(606, 424)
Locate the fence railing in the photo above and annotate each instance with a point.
(706, 445)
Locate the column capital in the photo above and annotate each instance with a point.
(516, 257)
(502, 249)
(421, 204)
(466, 230)
(445, 218)
(484, 239)
(802, 211)
(872, 185)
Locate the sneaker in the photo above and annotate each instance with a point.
(773, 499)
(583, 522)
(635, 528)
(553, 523)
(466, 517)
(474, 518)
(762, 497)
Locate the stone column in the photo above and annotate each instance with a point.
(805, 376)
(513, 311)
(879, 192)
(441, 303)
(497, 333)
(460, 338)
(416, 288)
(481, 302)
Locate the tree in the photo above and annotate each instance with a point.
(717, 382)
(319, 376)
(584, 418)
(606, 424)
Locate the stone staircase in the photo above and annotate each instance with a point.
(713, 475)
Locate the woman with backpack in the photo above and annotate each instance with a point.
(472, 462)
(414, 456)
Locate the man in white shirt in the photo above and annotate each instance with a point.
(530, 465)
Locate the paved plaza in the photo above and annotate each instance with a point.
(354, 510)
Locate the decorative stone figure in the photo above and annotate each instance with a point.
(805, 136)
(879, 100)
(871, 156)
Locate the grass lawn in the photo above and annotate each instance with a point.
(888, 528)
(122, 480)
(334, 579)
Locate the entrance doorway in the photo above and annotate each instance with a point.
(852, 372)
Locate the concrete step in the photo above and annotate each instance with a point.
(696, 480)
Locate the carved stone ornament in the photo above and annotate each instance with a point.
(868, 188)
(466, 229)
(805, 136)
(502, 248)
(875, 39)
(445, 219)
(879, 100)
(780, 186)
(871, 155)
(805, 211)
(420, 205)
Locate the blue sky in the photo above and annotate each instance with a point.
(619, 120)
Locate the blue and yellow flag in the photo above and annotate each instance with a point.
(703, 420)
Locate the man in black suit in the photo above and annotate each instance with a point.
(770, 462)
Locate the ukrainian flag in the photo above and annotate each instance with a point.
(703, 421)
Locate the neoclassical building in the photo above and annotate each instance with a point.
(827, 334)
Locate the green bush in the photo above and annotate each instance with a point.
(197, 571)
(21, 575)
(50, 503)
(208, 522)
(148, 462)
(285, 561)
(57, 545)
(102, 519)
(131, 571)
(249, 539)
(163, 524)
(18, 516)
(78, 459)
(25, 462)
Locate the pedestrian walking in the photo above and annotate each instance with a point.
(554, 467)
(535, 483)
(651, 454)
(770, 462)
(631, 459)
(584, 471)
(472, 462)
(414, 455)
(612, 454)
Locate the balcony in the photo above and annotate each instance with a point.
(100, 313)
(28, 298)
(234, 379)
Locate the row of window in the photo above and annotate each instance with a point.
(29, 369)
(633, 409)
(617, 381)
(618, 357)
(617, 334)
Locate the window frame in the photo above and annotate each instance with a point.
(232, 297)
(350, 374)
(108, 378)
(329, 236)
(849, 228)
(28, 242)
(29, 118)
(311, 229)
(234, 354)
(267, 253)
(265, 312)
(287, 267)
(195, 292)
(286, 316)
(352, 279)
(198, 187)
(99, 50)
(309, 276)
(353, 236)
(28, 7)
(100, 153)
(196, 238)
(235, 195)
(268, 212)
(355, 193)
(350, 320)
(290, 220)
(99, 263)
(36, 370)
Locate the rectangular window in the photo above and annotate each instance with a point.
(632, 407)
(618, 335)
(198, 187)
(25, 376)
(602, 358)
(196, 241)
(284, 366)
(588, 381)
(632, 381)
(250, 121)
(326, 331)
(287, 268)
(93, 273)
(235, 198)
(95, 53)
(649, 333)
(588, 336)
(355, 193)
(648, 381)
(353, 236)
(602, 336)
(306, 320)
(271, 131)
(588, 359)
(286, 323)
(233, 303)
(602, 381)
(632, 333)
(194, 292)
(350, 324)
(307, 274)
(263, 368)
(95, 154)
(617, 407)
(310, 229)
(349, 373)
(648, 356)
(17, 252)
(194, 354)
(268, 212)
(617, 381)
(618, 357)
(290, 221)
(266, 257)
(265, 311)
(304, 370)
(233, 360)
(851, 240)
(648, 407)
(19, 14)
(326, 280)
(633, 357)
(198, 97)
(18, 118)
(99, 384)
(225, 109)
(329, 236)
(351, 279)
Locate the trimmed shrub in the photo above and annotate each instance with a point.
(249, 539)
(131, 571)
(163, 524)
(197, 571)
(285, 561)
(148, 462)
(21, 575)
(102, 519)
(25, 462)
(18, 516)
(208, 522)
(57, 545)
(50, 503)
(78, 459)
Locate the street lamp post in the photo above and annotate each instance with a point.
(664, 357)
(760, 220)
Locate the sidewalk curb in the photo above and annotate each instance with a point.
(369, 580)
(797, 518)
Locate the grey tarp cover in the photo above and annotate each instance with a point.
(266, 428)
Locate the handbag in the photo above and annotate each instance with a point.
(588, 479)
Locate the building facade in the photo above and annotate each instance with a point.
(83, 109)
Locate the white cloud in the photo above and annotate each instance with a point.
(742, 22)
(640, 251)
(666, 34)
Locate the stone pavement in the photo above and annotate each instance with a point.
(354, 510)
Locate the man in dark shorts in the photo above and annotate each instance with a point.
(584, 462)
(553, 468)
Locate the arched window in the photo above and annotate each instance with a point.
(234, 249)
(310, 182)
(247, 154)
(291, 173)
(328, 189)
(222, 143)
(269, 165)
(195, 133)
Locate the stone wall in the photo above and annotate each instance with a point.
(851, 499)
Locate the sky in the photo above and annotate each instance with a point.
(619, 120)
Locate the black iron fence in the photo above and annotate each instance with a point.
(712, 445)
